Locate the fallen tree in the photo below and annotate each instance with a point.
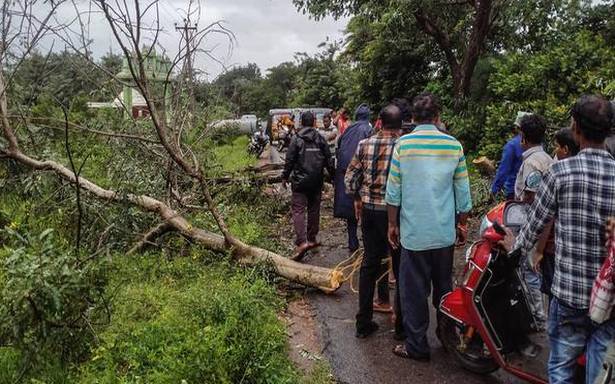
(171, 139)
(324, 279)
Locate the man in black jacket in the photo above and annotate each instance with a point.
(307, 157)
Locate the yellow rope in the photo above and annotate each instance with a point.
(347, 268)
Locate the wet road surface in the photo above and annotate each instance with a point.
(367, 361)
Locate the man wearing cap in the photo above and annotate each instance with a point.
(512, 158)
(343, 203)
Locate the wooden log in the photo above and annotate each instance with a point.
(325, 279)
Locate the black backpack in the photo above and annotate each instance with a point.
(308, 174)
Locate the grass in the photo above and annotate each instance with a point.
(234, 156)
(320, 374)
(194, 318)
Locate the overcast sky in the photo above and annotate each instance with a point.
(267, 32)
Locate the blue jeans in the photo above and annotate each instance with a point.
(418, 272)
(533, 282)
(571, 332)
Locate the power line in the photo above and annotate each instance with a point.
(187, 31)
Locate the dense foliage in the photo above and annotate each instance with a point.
(99, 316)
(537, 56)
(83, 311)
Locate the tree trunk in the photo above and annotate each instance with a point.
(325, 279)
(480, 30)
(462, 69)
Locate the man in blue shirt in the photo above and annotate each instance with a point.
(506, 175)
(427, 187)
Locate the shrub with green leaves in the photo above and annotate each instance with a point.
(48, 298)
(175, 322)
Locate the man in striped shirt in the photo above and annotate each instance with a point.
(428, 187)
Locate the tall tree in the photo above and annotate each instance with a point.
(463, 30)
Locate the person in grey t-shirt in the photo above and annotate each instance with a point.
(535, 164)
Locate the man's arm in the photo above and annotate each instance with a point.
(291, 158)
(541, 212)
(393, 231)
(353, 180)
(503, 169)
(354, 173)
(393, 198)
(543, 239)
(329, 162)
(461, 185)
(463, 197)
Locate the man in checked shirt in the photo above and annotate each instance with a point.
(579, 192)
(366, 179)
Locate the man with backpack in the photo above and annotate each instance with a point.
(307, 157)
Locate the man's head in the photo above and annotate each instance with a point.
(391, 117)
(592, 119)
(517, 123)
(404, 107)
(426, 108)
(362, 112)
(564, 144)
(533, 128)
(326, 120)
(307, 119)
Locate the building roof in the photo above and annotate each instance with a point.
(137, 101)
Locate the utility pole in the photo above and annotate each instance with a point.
(187, 32)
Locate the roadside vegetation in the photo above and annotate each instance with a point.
(81, 303)
(177, 313)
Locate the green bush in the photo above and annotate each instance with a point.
(547, 83)
(217, 327)
(49, 297)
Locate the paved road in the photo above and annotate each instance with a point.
(369, 361)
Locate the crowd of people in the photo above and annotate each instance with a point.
(404, 181)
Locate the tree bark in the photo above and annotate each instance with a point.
(462, 68)
(480, 30)
(325, 279)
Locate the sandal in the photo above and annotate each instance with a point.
(382, 307)
(300, 252)
(400, 350)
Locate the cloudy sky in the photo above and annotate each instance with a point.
(267, 32)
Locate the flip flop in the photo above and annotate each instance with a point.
(400, 350)
(300, 252)
(382, 308)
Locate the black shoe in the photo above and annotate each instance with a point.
(399, 336)
(421, 358)
(367, 330)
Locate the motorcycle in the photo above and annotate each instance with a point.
(486, 322)
(258, 142)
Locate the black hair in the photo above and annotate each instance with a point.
(391, 117)
(404, 107)
(328, 114)
(307, 119)
(563, 137)
(533, 127)
(425, 107)
(594, 117)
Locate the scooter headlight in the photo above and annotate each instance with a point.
(484, 225)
